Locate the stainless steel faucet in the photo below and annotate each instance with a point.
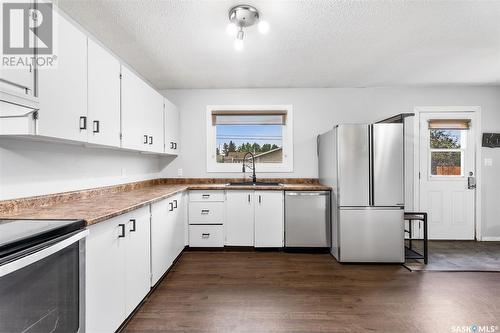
(254, 177)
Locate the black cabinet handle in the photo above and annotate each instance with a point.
(175, 145)
(260, 199)
(249, 198)
(205, 196)
(205, 235)
(171, 145)
(133, 225)
(171, 206)
(122, 234)
(83, 122)
(175, 202)
(150, 140)
(145, 139)
(96, 126)
(204, 211)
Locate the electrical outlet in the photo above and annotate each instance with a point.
(488, 162)
(179, 172)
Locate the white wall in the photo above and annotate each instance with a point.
(34, 168)
(317, 110)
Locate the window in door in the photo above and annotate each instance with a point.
(263, 131)
(447, 140)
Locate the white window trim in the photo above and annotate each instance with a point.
(285, 166)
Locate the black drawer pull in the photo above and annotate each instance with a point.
(205, 235)
(150, 140)
(96, 126)
(83, 122)
(175, 203)
(122, 233)
(205, 196)
(133, 225)
(145, 139)
(171, 206)
(204, 211)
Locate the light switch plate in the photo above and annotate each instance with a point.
(488, 162)
(179, 172)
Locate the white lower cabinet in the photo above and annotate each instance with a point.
(269, 219)
(167, 234)
(206, 235)
(117, 269)
(206, 218)
(239, 218)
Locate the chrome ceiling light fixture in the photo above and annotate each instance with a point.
(244, 16)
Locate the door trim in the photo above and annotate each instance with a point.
(418, 110)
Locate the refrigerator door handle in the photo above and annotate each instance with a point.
(371, 200)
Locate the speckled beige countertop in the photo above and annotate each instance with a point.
(97, 205)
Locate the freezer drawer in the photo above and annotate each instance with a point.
(307, 219)
(371, 235)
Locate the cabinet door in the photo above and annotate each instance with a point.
(62, 90)
(171, 128)
(178, 229)
(239, 218)
(155, 121)
(269, 228)
(103, 96)
(161, 234)
(142, 114)
(105, 276)
(137, 257)
(134, 111)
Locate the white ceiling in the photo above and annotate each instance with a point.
(312, 43)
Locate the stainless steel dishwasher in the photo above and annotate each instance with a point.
(307, 219)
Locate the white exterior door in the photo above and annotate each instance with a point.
(269, 222)
(447, 160)
(103, 96)
(239, 218)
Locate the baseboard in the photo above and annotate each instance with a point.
(490, 239)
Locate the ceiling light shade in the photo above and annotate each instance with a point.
(238, 44)
(244, 16)
(232, 29)
(263, 27)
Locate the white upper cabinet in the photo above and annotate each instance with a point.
(269, 219)
(239, 218)
(62, 90)
(142, 114)
(171, 128)
(103, 96)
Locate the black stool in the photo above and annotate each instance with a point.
(410, 253)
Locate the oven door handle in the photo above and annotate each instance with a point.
(39, 255)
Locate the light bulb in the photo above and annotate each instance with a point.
(232, 29)
(238, 44)
(263, 27)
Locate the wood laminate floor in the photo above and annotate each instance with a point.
(284, 292)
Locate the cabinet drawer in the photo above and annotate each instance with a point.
(206, 212)
(211, 195)
(206, 236)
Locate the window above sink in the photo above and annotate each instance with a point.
(264, 130)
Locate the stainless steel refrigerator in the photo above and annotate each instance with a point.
(364, 166)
